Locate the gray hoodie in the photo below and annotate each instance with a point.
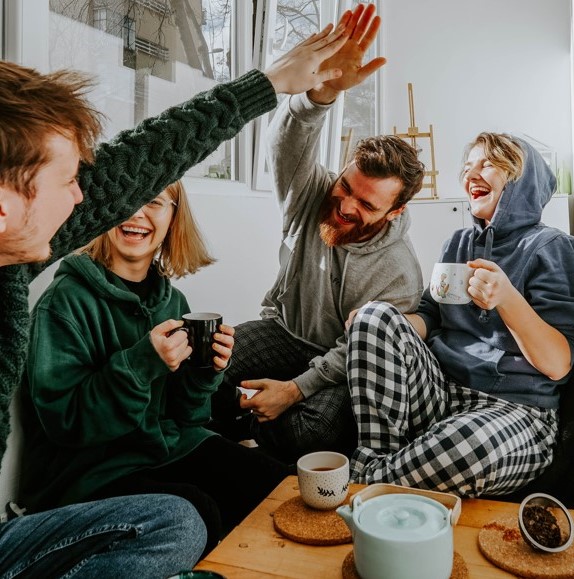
(317, 286)
(475, 347)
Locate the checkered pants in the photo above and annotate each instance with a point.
(419, 428)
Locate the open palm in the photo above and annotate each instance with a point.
(349, 58)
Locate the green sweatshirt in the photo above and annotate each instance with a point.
(129, 171)
(98, 401)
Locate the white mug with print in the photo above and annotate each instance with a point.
(449, 283)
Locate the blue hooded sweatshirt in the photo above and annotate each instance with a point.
(474, 346)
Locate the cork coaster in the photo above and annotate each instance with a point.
(502, 544)
(302, 524)
(459, 568)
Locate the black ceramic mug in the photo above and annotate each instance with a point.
(200, 327)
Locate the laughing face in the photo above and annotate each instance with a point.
(357, 207)
(483, 183)
(136, 241)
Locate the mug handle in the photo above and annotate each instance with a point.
(180, 329)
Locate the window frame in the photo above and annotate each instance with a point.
(26, 41)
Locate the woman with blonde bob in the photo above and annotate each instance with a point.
(118, 411)
(463, 398)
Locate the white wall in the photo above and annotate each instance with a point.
(474, 66)
(243, 232)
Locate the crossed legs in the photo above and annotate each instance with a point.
(419, 428)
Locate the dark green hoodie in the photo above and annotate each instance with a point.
(99, 402)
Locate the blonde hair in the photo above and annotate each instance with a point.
(183, 250)
(35, 107)
(501, 150)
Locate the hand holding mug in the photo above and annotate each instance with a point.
(223, 342)
(489, 286)
(172, 346)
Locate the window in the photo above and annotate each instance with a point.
(129, 33)
(100, 19)
(147, 55)
(280, 24)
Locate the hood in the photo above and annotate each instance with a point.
(523, 200)
(393, 231)
(519, 206)
(103, 284)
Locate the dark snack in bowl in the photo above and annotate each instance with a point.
(542, 526)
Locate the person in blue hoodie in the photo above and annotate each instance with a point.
(464, 398)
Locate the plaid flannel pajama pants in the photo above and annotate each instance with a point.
(419, 428)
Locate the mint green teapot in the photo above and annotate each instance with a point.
(401, 533)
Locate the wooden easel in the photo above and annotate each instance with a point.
(413, 134)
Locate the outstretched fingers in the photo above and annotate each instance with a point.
(355, 23)
(371, 67)
(370, 34)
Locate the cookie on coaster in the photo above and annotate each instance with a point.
(502, 544)
(302, 524)
(459, 568)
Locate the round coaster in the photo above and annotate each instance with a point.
(302, 524)
(502, 544)
(459, 568)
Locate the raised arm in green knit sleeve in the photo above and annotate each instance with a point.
(138, 164)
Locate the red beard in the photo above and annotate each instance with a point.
(333, 234)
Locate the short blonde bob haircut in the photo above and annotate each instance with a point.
(183, 251)
(501, 150)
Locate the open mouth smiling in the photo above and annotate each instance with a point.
(478, 192)
(344, 219)
(134, 232)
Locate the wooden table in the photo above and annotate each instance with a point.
(255, 550)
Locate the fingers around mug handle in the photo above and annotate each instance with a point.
(180, 329)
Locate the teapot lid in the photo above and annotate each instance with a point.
(403, 517)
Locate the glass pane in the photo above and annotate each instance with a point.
(146, 55)
(359, 111)
(295, 20)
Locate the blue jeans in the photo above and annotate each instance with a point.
(141, 536)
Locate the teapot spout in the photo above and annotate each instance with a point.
(346, 514)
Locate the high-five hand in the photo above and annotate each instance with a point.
(300, 69)
(349, 59)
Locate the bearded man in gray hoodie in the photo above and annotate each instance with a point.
(344, 242)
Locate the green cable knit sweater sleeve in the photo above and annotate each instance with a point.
(133, 168)
(138, 164)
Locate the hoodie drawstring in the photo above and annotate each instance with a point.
(484, 315)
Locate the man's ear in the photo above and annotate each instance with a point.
(395, 213)
(6, 204)
(4, 209)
